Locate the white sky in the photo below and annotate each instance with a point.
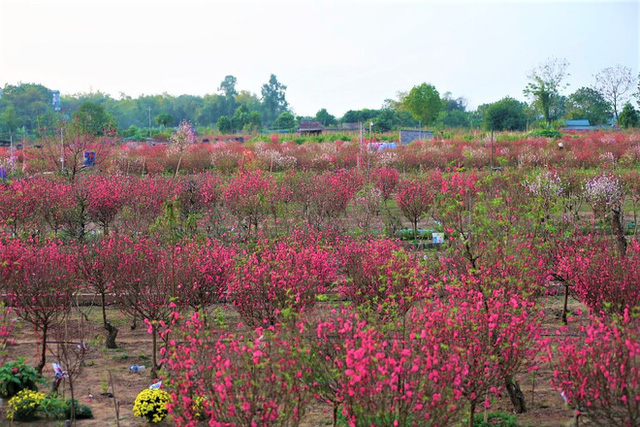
(338, 55)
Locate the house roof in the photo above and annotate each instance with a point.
(578, 123)
(310, 125)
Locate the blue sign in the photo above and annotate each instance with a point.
(89, 158)
(438, 238)
(55, 99)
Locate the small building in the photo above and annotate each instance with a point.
(310, 127)
(585, 125)
(578, 125)
(407, 136)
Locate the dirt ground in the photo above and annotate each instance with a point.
(545, 406)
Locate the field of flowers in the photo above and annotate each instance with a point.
(273, 281)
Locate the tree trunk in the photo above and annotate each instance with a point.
(154, 359)
(43, 350)
(112, 331)
(566, 303)
(472, 412)
(178, 166)
(618, 230)
(516, 395)
(72, 414)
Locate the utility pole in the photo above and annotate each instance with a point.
(61, 149)
(492, 167)
(11, 150)
(149, 121)
(361, 143)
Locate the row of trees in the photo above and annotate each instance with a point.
(26, 107)
(29, 107)
(613, 86)
(249, 203)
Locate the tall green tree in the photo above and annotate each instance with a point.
(228, 86)
(325, 118)
(384, 121)
(423, 102)
(224, 125)
(274, 102)
(587, 103)
(228, 89)
(455, 119)
(248, 99)
(93, 119)
(285, 121)
(546, 82)
(255, 122)
(164, 119)
(185, 107)
(9, 120)
(213, 107)
(359, 116)
(449, 103)
(454, 112)
(240, 118)
(23, 105)
(629, 117)
(506, 114)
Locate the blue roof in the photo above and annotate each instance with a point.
(578, 123)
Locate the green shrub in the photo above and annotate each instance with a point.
(16, 376)
(24, 405)
(54, 407)
(83, 412)
(545, 133)
(407, 234)
(161, 136)
(494, 419)
(374, 420)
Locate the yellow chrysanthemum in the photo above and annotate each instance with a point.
(23, 406)
(151, 405)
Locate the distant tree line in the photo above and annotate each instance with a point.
(26, 109)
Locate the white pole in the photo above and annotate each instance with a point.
(61, 150)
(11, 150)
(361, 143)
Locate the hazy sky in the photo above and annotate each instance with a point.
(338, 55)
